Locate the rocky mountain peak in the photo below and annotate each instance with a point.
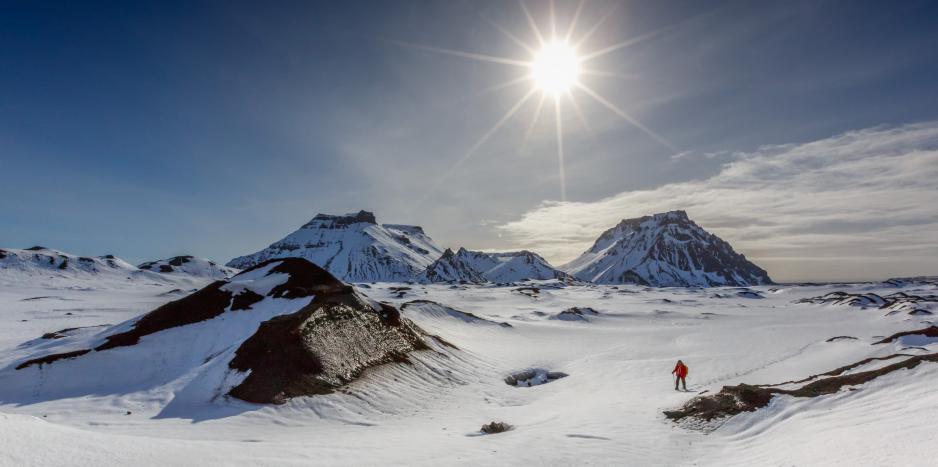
(332, 221)
(354, 248)
(664, 249)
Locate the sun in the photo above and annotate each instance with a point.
(555, 68)
(559, 68)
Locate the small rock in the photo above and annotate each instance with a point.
(495, 427)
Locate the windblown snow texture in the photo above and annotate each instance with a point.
(666, 249)
(354, 248)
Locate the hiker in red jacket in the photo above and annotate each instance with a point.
(680, 371)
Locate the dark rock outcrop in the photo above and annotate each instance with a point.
(733, 400)
(323, 345)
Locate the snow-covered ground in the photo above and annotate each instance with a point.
(607, 411)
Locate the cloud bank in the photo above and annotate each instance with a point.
(860, 205)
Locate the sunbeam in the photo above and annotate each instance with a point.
(533, 124)
(576, 16)
(459, 53)
(527, 14)
(643, 37)
(596, 26)
(555, 67)
(562, 172)
(626, 116)
(509, 35)
(579, 114)
(475, 147)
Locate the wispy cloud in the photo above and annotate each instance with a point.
(867, 197)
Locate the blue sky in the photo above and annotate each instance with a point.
(214, 128)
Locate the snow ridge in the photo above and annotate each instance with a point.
(666, 250)
(189, 265)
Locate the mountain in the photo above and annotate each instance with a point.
(189, 265)
(453, 267)
(477, 266)
(24, 266)
(354, 248)
(282, 329)
(666, 249)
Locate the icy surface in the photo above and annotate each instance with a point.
(608, 411)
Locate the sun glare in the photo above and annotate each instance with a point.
(558, 68)
(555, 68)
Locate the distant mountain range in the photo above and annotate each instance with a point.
(666, 249)
(45, 262)
(477, 267)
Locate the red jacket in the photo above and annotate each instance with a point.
(680, 369)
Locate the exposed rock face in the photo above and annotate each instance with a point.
(895, 303)
(322, 347)
(664, 250)
(189, 265)
(287, 325)
(354, 248)
(477, 266)
(576, 314)
(453, 268)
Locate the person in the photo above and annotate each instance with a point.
(680, 373)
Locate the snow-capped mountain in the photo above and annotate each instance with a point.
(666, 249)
(477, 266)
(453, 267)
(189, 265)
(354, 248)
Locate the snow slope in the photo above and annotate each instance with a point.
(189, 265)
(222, 341)
(354, 248)
(41, 261)
(666, 249)
(477, 266)
(607, 411)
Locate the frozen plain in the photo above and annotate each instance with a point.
(608, 411)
